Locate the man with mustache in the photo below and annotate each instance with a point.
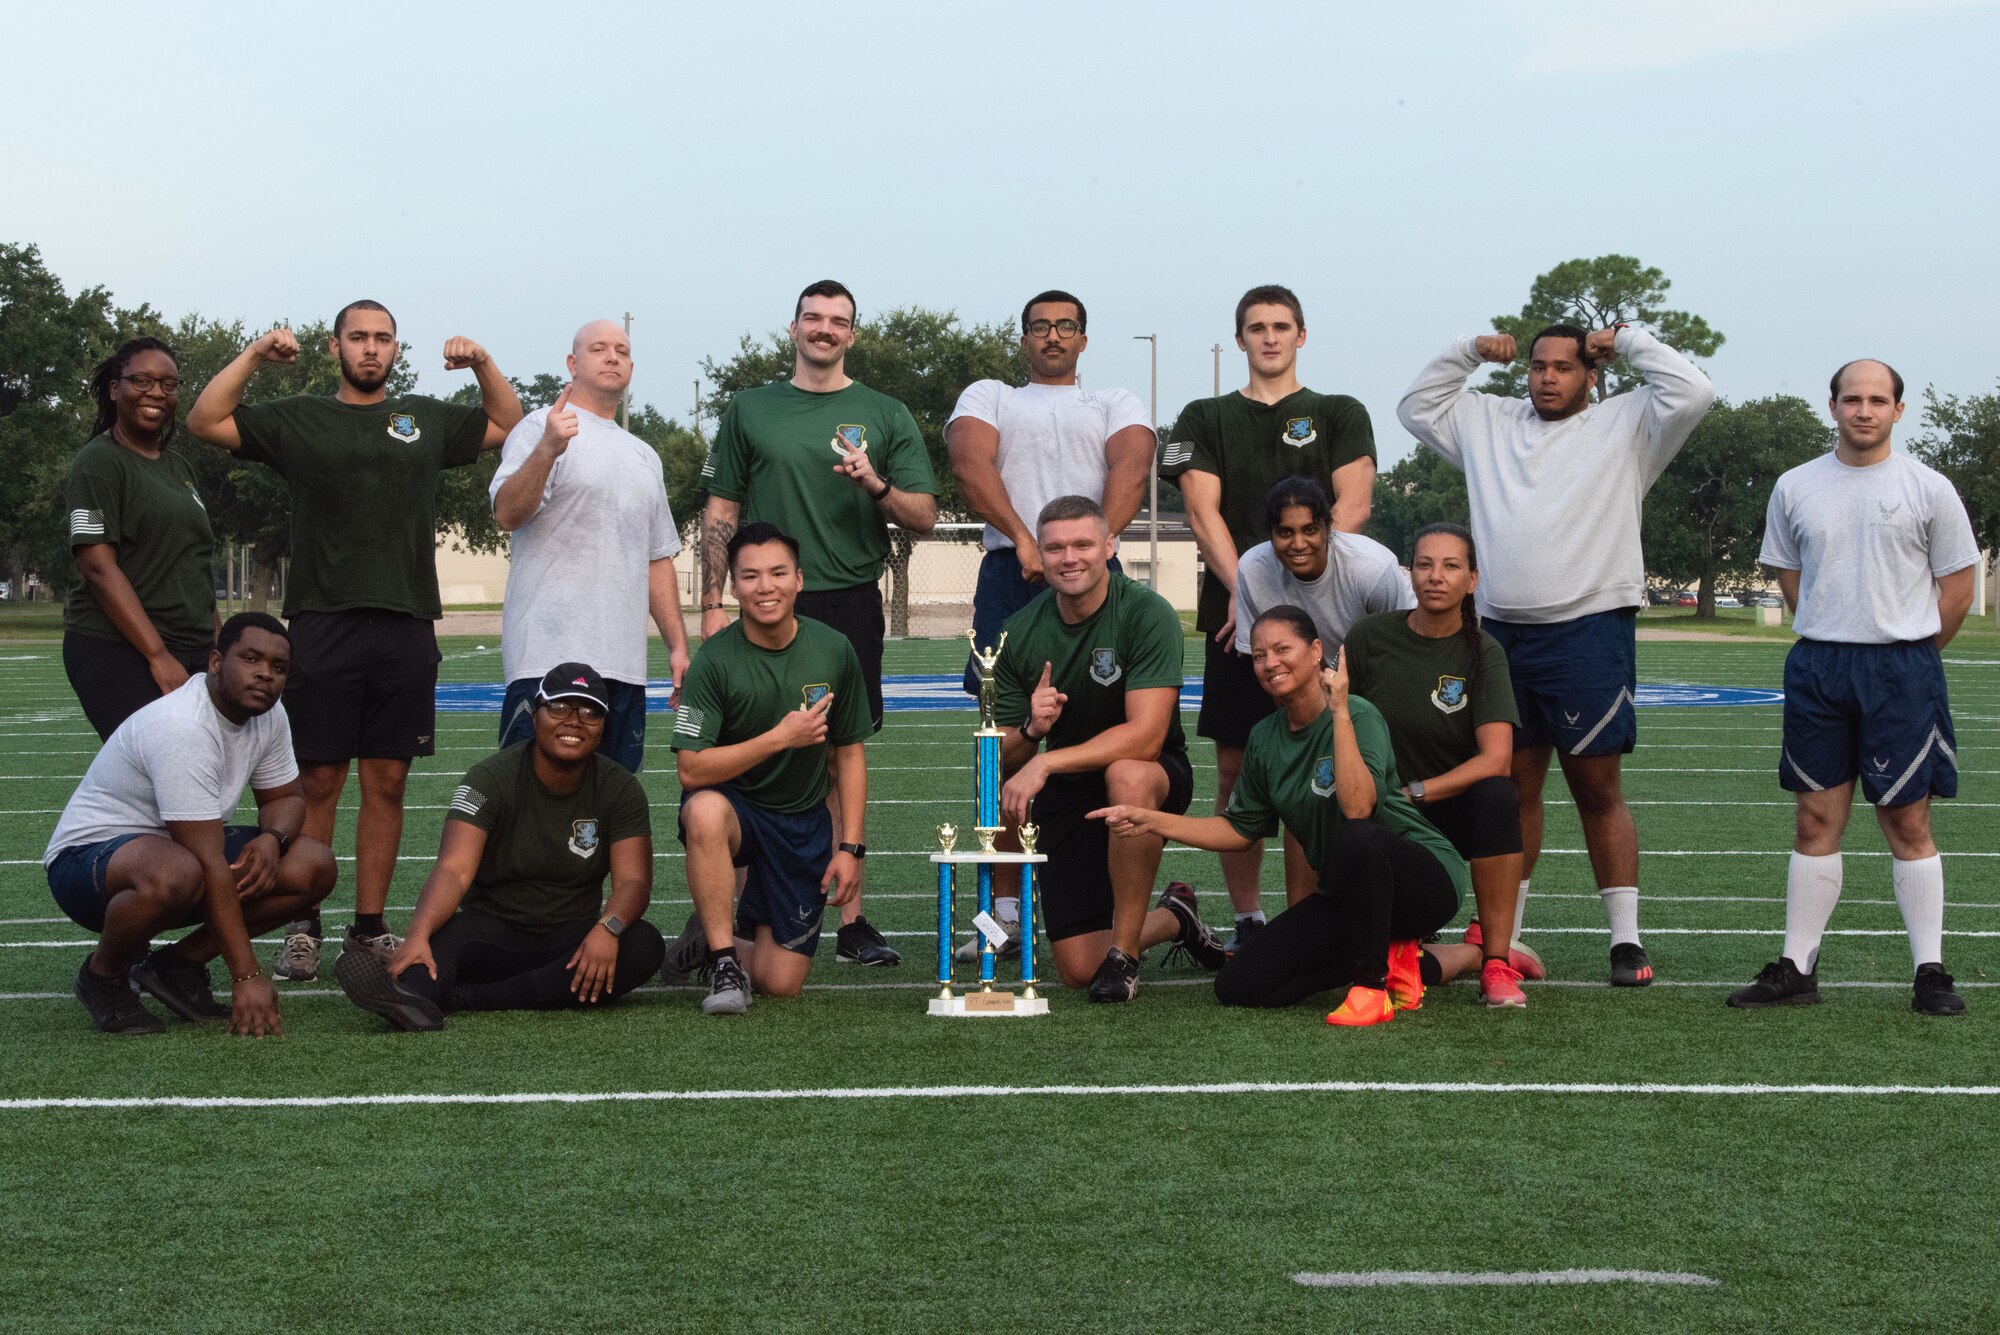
(362, 594)
(832, 463)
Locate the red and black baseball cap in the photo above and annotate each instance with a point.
(574, 681)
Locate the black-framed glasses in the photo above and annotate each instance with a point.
(1060, 328)
(584, 712)
(169, 384)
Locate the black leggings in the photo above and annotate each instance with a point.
(111, 679)
(1484, 821)
(1377, 887)
(484, 964)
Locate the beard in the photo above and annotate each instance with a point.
(1567, 408)
(365, 381)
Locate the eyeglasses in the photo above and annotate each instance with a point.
(169, 384)
(1061, 328)
(562, 709)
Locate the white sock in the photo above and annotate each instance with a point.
(1254, 915)
(1812, 888)
(1520, 911)
(1920, 895)
(1007, 910)
(1621, 906)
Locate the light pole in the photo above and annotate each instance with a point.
(1217, 350)
(1153, 503)
(625, 399)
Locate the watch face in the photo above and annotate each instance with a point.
(612, 924)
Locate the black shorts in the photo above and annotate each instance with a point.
(111, 679)
(855, 612)
(1232, 702)
(363, 686)
(1075, 883)
(1484, 821)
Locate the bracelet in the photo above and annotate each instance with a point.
(712, 607)
(1027, 736)
(246, 977)
(883, 494)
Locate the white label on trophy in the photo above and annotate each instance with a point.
(990, 928)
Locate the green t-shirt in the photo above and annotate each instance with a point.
(1427, 690)
(773, 454)
(1287, 778)
(1251, 447)
(547, 854)
(1131, 643)
(737, 689)
(151, 511)
(364, 494)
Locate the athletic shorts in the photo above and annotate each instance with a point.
(363, 686)
(76, 877)
(624, 727)
(1877, 711)
(111, 679)
(1232, 702)
(784, 856)
(855, 612)
(1075, 883)
(1000, 593)
(1574, 681)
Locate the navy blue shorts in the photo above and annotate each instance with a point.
(1877, 711)
(624, 727)
(784, 855)
(1574, 681)
(1000, 593)
(76, 877)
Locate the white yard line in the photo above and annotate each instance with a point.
(1374, 1279)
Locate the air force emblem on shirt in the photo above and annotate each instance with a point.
(813, 693)
(1299, 431)
(1450, 696)
(583, 837)
(848, 437)
(1323, 777)
(403, 426)
(1104, 668)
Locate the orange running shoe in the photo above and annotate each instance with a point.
(1406, 975)
(1364, 1006)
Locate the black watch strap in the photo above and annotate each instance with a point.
(284, 840)
(858, 850)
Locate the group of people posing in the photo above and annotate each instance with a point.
(1398, 730)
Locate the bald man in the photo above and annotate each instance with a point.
(593, 548)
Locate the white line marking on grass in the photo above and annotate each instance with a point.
(883, 1092)
(1373, 1279)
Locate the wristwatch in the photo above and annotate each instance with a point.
(612, 923)
(1417, 791)
(284, 840)
(858, 850)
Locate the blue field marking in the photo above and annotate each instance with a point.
(947, 691)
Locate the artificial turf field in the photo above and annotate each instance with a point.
(1159, 1166)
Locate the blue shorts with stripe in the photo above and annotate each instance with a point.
(1873, 711)
(1574, 681)
(783, 856)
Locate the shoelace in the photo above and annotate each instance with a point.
(299, 948)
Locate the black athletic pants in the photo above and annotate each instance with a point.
(485, 964)
(1376, 887)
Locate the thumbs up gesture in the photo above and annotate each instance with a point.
(1045, 706)
(560, 428)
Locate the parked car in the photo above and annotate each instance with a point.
(1686, 598)
(1725, 600)
(1770, 600)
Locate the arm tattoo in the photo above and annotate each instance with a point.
(715, 536)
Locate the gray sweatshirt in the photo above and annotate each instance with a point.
(1555, 505)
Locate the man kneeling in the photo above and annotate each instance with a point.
(142, 849)
(528, 839)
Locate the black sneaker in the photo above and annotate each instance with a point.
(365, 977)
(858, 942)
(1245, 929)
(1629, 965)
(113, 1007)
(1117, 979)
(1933, 994)
(179, 984)
(1196, 941)
(687, 956)
(1778, 983)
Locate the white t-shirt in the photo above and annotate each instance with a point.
(1361, 578)
(176, 759)
(1869, 544)
(577, 572)
(1052, 440)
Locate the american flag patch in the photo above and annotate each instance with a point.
(708, 464)
(86, 523)
(1177, 453)
(466, 800)
(688, 721)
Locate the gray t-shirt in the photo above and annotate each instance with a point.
(177, 759)
(577, 571)
(1361, 578)
(1051, 440)
(1869, 544)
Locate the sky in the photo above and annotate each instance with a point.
(1816, 177)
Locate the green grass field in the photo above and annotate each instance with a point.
(846, 1162)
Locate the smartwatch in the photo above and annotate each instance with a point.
(611, 923)
(858, 850)
(1417, 791)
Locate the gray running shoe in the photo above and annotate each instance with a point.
(384, 945)
(114, 1008)
(364, 976)
(298, 960)
(728, 989)
(180, 985)
(687, 955)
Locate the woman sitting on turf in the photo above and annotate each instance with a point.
(1323, 767)
(1442, 684)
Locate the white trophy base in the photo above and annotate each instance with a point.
(981, 1005)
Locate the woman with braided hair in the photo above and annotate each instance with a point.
(141, 618)
(1442, 684)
